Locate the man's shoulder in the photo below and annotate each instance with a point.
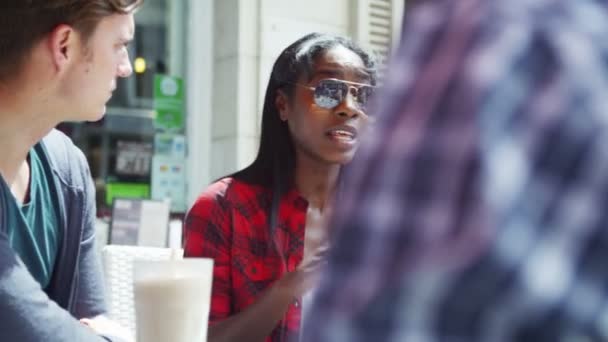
(59, 144)
(65, 159)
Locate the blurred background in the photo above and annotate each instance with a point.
(191, 111)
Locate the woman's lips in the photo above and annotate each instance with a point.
(341, 135)
(344, 136)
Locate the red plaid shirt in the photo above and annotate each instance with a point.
(229, 222)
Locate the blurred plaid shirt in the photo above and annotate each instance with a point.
(477, 210)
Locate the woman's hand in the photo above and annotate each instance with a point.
(104, 326)
(316, 245)
(306, 276)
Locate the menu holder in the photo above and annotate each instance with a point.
(139, 222)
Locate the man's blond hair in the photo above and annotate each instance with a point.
(23, 23)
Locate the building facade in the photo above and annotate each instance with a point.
(224, 51)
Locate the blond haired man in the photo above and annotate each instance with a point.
(60, 60)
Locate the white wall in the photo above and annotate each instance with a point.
(235, 79)
(198, 50)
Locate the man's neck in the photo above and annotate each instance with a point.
(21, 182)
(22, 124)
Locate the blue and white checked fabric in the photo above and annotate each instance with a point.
(477, 209)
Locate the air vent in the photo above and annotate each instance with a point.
(376, 26)
(380, 27)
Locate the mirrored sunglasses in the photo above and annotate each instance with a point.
(329, 93)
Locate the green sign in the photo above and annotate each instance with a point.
(127, 190)
(169, 103)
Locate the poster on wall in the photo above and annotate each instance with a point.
(168, 103)
(133, 158)
(173, 145)
(169, 181)
(139, 222)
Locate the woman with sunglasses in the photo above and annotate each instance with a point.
(263, 225)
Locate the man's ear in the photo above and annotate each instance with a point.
(281, 103)
(63, 43)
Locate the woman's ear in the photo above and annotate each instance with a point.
(281, 103)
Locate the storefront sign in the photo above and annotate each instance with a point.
(169, 103)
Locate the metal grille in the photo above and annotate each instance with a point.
(380, 28)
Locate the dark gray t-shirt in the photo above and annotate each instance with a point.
(29, 313)
(33, 226)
